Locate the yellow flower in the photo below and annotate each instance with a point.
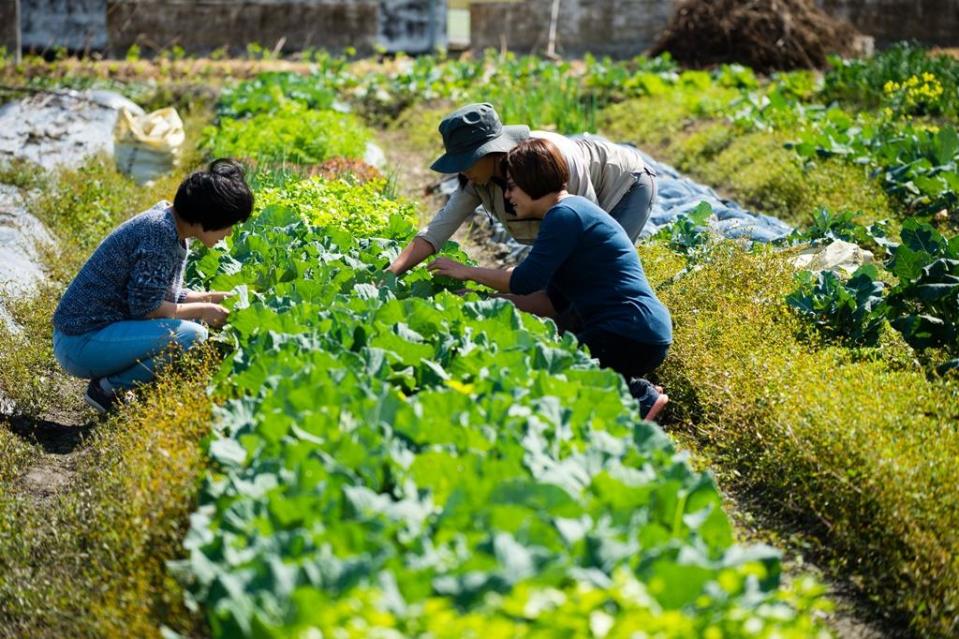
(460, 387)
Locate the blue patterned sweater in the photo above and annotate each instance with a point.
(138, 266)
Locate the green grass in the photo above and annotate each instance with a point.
(419, 126)
(90, 560)
(755, 168)
(858, 445)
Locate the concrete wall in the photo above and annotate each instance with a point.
(617, 27)
(205, 25)
(77, 25)
(414, 26)
(9, 21)
(932, 22)
(620, 28)
(624, 28)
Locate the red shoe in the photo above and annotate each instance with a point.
(657, 408)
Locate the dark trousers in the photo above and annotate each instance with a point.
(633, 360)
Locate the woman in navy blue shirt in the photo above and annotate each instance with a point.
(581, 258)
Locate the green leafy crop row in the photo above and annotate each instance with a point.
(399, 461)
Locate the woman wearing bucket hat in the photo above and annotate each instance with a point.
(583, 261)
(611, 175)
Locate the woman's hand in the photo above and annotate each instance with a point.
(213, 315)
(218, 296)
(214, 297)
(450, 268)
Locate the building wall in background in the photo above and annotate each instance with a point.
(203, 26)
(623, 28)
(8, 25)
(620, 28)
(932, 22)
(77, 25)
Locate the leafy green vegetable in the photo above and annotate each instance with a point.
(850, 312)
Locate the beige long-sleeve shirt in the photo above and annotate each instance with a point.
(599, 170)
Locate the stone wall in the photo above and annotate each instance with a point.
(620, 28)
(205, 25)
(77, 25)
(932, 22)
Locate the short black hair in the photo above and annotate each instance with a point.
(538, 167)
(215, 198)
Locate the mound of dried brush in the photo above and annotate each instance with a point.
(767, 35)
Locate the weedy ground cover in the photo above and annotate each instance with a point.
(855, 445)
(85, 555)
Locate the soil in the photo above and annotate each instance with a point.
(854, 616)
(59, 435)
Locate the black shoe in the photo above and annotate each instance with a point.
(99, 399)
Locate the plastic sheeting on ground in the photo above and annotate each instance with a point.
(21, 237)
(61, 128)
(676, 195)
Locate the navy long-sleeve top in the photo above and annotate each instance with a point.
(583, 257)
(138, 266)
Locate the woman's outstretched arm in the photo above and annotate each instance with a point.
(496, 279)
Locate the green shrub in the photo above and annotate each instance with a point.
(651, 122)
(30, 377)
(363, 209)
(754, 168)
(866, 81)
(859, 444)
(83, 205)
(420, 127)
(91, 560)
(294, 135)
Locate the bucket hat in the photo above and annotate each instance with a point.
(471, 132)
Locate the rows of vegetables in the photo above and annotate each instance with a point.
(394, 459)
(893, 115)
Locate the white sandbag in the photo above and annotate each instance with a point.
(147, 146)
(838, 256)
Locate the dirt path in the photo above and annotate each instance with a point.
(854, 616)
(58, 438)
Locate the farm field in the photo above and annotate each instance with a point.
(360, 455)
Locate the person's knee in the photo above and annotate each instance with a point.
(189, 334)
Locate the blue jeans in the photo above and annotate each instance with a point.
(126, 353)
(633, 210)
